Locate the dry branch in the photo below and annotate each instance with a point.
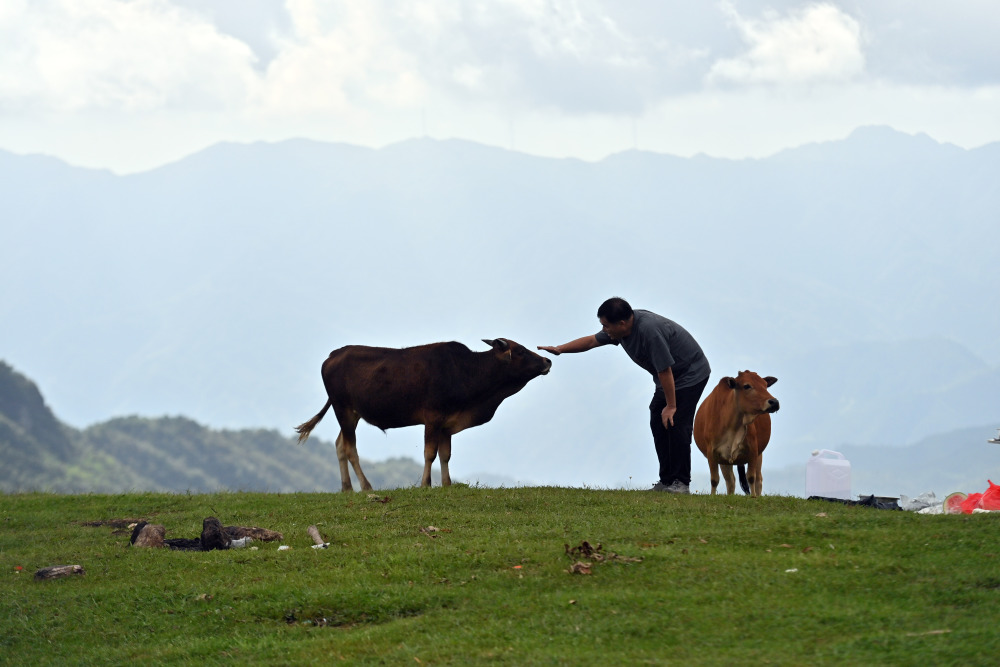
(57, 571)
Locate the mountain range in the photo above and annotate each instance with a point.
(862, 273)
(172, 454)
(176, 454)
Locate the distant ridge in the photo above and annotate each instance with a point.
(162, 454)
(860, 272)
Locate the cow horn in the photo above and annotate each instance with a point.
(498, 344)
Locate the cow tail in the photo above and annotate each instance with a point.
(305, 429)
(742, 470)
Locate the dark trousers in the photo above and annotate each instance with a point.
(673, 445)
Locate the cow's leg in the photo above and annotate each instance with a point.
(727, 473)
(436, 443)
(432, 442)
(345, 473)
(355, 460)
(347, 451)
(444, 451)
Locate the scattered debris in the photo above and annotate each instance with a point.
(213, 536)
(253, 532)
(955, 503)
(878, 502)
(585, 549)
(595, 554)
(375, 498)
(960, 503)
(148, 535)
(121, 526)
(924, 500)
(320, 543)
(58, 571)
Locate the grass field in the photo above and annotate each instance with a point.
(466, 575)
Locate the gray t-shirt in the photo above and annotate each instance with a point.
(657, 344)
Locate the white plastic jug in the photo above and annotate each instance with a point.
(828, 475)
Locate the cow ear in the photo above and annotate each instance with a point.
(770, 380)
(730, 382)
(497, 344)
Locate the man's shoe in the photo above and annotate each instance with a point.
(660, 486)
(678, 487)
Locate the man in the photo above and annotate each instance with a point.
(680, 372)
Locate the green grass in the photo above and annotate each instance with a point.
(727, 581)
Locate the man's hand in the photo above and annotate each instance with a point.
(668, 416)
(552, 349)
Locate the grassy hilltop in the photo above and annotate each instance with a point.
(468, 575)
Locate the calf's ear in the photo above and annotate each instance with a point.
(770, 380)
(730, 382)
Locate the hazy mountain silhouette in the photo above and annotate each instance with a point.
(166, 454)
(862, 273)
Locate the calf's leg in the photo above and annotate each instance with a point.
(753, 478)
(727, 473)
(758, 481)
(713, 471)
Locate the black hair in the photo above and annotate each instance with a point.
(615, 309)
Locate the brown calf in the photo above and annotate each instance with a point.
(733, 426)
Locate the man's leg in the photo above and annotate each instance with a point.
(661, 438)
(673, 445)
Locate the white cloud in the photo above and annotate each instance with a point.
(68, 56)
(146, 81)
(816, 44)
(341, 54)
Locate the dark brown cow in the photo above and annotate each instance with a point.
(733, 426)
(444, 386)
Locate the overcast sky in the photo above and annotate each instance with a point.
(132, 84)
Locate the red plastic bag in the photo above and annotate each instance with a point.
(971, 503)
(991, 499)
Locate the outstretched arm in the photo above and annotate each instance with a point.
(578, 345)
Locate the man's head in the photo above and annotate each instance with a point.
(616, 317)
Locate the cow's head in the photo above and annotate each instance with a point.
(523, 363)
(752, 395)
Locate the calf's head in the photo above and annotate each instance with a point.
(520, 362)
(752, 395)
